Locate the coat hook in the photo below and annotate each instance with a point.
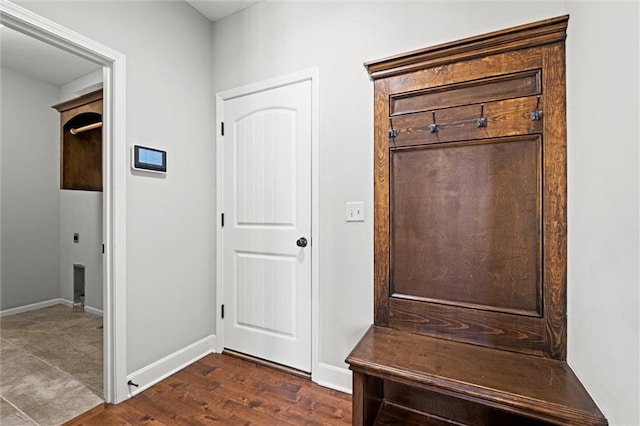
(435, 127)
(482, 121)
(392, 132)
(536, 115)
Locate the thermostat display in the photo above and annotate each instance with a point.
(148, 159)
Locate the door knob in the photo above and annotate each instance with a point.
(302, 242)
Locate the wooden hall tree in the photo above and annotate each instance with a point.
(470, 237)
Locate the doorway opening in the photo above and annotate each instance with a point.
(114, 166)
(52, 269)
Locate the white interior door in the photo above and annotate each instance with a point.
(267, 215)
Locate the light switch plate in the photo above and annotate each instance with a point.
(355, 211)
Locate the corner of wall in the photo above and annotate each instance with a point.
(330, 376)
(81, 85)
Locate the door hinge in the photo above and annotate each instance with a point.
(222, 311)
(222, 128)
(222, 220)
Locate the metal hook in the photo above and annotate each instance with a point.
(482, 121)
(435, 127)
(392, 132)
(536, 115)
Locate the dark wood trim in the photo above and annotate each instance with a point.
(520, 37)
(79, 101)
(555, 202)
(381, 203)
(368, 392)
(493, 88)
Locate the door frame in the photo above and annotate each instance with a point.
(261, 86)
(114, 180)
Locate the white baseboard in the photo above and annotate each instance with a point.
(163, 368)
(65, 302)
(34, 306)
(93, 311)
(333, 377)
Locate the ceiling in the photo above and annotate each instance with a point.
(215, 9)
(37, 59)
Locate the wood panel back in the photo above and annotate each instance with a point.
(82, 155)
(465, 225)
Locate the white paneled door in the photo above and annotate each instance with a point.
(267, 224)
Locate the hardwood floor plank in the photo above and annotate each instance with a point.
(133, 416)
(108, 414)
(163, 404)
(236, 390)
(218, 402)
(272, 388)
(222, 389)
(267, 380)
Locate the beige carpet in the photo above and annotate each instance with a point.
(50, 365)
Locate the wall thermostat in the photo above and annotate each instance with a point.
(148, 159)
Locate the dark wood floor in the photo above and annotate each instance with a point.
(227, 390)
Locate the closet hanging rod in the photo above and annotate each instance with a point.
(85, 128)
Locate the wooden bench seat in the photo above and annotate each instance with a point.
(448, 382)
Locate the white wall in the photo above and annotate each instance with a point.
(603, 275)
(29, 178)
(277, 38)
(81, 86)
(169, 219)
(81, 212)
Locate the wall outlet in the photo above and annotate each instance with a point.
(355, 211)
